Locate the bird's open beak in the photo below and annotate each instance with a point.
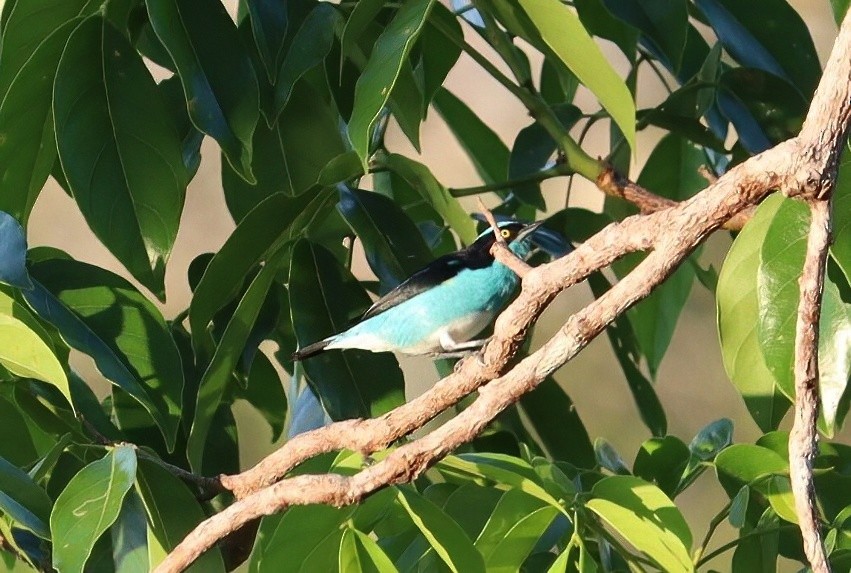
(528, 230)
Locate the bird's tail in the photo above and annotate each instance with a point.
(311, 349)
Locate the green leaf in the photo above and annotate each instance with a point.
(88, 505)
(215, 71)
(481, 143)
(517, 523)
(269, 27)
(362, 15)
(172, 512)
(292, 155)
(663, 25)
(752, 35)
(743, 464)
(130, 537)
(841, 247)
(662, 461)
(600, 22)
(13, 253)
(27, 25)
(738, 318)
(781, 263)
(23, 500)
(382, 70)
(711, 439)
(285, 542)
(608, 458)
(501, 470)
(104, 316)
(394, 252)
(554, 419)
(227, 355)
(439, 56)
(17, 445)
(561, 30)
(359, 552)
(420, 179)
(308, 49)
(28, 148)
(266, 394)
(646, 518)
(840, 7)
(260, 234)
(120, 155)
(324, 298)
(443, 534)
(739, 507)
(25, 354)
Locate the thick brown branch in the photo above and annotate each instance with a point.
(803, 440)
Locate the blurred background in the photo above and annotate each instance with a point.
(691, 383)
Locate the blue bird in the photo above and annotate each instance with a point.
(441, 307)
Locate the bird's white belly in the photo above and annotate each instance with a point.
(460, 330)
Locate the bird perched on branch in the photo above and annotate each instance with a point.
(440, 308)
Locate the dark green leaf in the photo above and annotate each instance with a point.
(265, 392)
(558, 85)
(646, 518)
(259, 234)
(120, 155)
(438, 55)
(662, 461)
(383, 68)
(130, 537)
(711, 439)
(550, 412)
(600, 22)
(737, 302)
(781, 263)
(27, 25)
(517, 523)
(482, 145)
(17, 444)
(759, 34)
(88, 506)
(227, 355)
(28, 148)
(308, 49)
(284, 542)
(215, 70)
(13, 253)
(269, 26)
(841, 247)
(363, 14)
(739, 507)
(443, 534)
(292, 155)
(23, 500)
(394, 252)
(172, 512)
(608, 458)
(324, 298)
(663, 25)
(85, 303)
(771, 102)
(420, 179)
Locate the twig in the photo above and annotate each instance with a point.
(803, 440)
(500, 250)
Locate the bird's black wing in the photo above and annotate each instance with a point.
(438, 271)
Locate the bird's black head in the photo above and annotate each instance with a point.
(510, 231)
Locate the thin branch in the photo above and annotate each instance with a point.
(558, 170)
(803, 440)
(500, 250)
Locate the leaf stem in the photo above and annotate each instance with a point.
(558, 170)
(713, 525)
(727, 546)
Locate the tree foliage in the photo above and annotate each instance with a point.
(298, 95)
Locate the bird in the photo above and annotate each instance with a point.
(440, 308)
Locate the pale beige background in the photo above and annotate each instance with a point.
(691, 383)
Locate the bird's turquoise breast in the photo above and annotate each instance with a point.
(415, 322)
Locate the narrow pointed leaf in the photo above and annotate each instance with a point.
(130, 537)
(28, 148)
(359, 552)
(23, 500)
(120, 155)
(383, 68)
(216, 73)
(88, 505)
(444, 535)
(25, 354)
(269, 26)
(663, 24)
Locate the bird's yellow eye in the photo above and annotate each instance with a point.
(505, 233)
